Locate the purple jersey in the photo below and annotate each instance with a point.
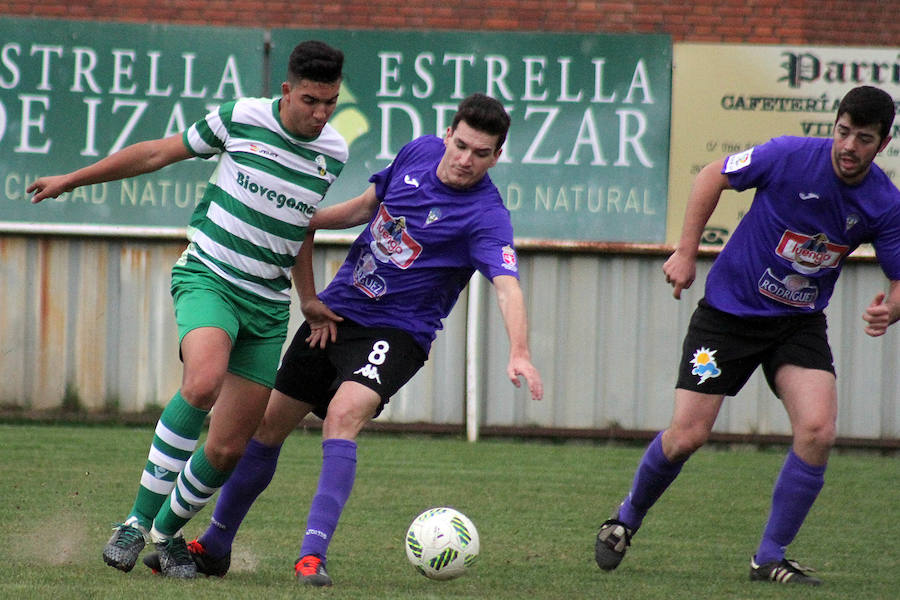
(408, 267)
(786, 253)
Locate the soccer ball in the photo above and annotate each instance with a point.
(442, 543)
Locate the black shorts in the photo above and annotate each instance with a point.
(721, 350)
(381, 358)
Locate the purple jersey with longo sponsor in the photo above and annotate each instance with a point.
(409, 265)
(786, 253)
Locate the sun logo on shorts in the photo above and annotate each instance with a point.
(705, 366)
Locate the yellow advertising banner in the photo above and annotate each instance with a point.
(729, 97)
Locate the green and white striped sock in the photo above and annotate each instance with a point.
(176, 437)
(194, 488)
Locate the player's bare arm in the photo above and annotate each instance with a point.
(681, 267)
(883, 311)
(322, 320)
(143, 157)
(512, 308)
(350, 213)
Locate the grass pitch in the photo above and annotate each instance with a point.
(536, 505)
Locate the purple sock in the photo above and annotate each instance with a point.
(251, 476)
(335, 483)
(653, 476)
(796, 489)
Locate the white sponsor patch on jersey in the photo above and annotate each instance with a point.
(738, 161)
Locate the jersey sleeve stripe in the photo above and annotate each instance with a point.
(202, 135)
(207, 136)
(188, 142)
(197, 145)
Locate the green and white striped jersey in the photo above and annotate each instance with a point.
(252, 218)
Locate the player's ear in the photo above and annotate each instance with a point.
(884, 143)
(495, 157)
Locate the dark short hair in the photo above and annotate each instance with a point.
(483, 113)
(316, 61)
(868, 105)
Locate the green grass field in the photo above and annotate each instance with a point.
(537, 506)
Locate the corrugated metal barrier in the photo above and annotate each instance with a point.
(88, 322)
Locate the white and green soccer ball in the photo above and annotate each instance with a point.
(442, 543)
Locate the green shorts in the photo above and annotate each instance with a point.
(257, 326)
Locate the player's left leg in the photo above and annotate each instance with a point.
(205, 353)
(810, 398)
(351, 408)
(692, 421)
(371, 363)
(211, 551)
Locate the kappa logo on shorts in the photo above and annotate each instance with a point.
(369, 371)
(705, 366)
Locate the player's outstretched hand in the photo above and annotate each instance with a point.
(322, 322)
(523, 367)
(47, 187)
(877, 316)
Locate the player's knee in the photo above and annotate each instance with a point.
(345, 420)
(273, 433)
(818, 434)
(200, 392)
(201, 387)
(223, 456)
(682, 443)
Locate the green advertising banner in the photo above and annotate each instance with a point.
(586, 159)
(72, 92)
(587, 154)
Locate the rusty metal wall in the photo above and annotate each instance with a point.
(86, 322)
(89, 321)
(607, 334)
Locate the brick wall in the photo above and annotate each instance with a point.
(826, 22)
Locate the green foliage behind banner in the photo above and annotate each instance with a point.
(586, 158)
